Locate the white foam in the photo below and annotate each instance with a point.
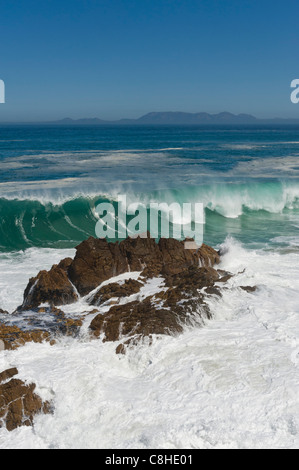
(231, 384)
(17, 268)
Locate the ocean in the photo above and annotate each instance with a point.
(233, 383)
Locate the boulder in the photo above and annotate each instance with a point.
(53, 287)
(96, 261)
(18, 402)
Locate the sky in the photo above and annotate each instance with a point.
(116, 59)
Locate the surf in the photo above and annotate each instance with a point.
(229, 208)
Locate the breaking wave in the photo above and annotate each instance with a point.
(26, 223)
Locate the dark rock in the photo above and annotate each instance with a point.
(213, 291)
(11, 337)
(37, 327)
(96, 261)
(166, 312)
(8, 374)
(249, 288)
(114, 289)
(49, 286)
(18, 402)
(122, 347)
(134, 318)
(188, 273)
(141, 253)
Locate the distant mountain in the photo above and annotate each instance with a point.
(177, 118)
(196, 118)
(170, 118)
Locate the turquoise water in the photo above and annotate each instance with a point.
(52, 178)
(230, 383)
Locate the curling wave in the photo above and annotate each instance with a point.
(26, 223)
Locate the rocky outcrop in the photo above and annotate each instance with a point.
(135, 318)
(42, 324)
(18, 402)
(114, 289)
(53, 287)
(181, 303)
(188, 275)
(11, 336)
(97, 260)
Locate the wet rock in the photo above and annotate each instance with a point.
(213, 291)
(12, 337)
(18, 402)
(51, 286)
(141, 253)
(131, 342)
(38, 325)
(8, 374)
(166, 312)
(134, 318)
(114, 289)
(249, 288)
(187, 273)
(96, 261)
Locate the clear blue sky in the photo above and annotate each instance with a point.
(124, 58)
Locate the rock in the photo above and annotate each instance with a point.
(122, 347)
(114, 289)
(37, 327)
(134, 318)
(11, 337)
(3, 312)
(18, 402)
(249, 288)
(166, 312)
(188, 273)
(141, 253)
(7, 374)
(52, 287)
(96, 261)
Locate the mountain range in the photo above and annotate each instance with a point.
(174, 118)
(180, 118)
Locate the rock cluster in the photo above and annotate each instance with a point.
(97, 260)
(186, 275)
(163, 288)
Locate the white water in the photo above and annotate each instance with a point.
(232, 384)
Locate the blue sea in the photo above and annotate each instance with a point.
(232, 383)
(52, 178)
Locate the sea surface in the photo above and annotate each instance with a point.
(233, 383)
